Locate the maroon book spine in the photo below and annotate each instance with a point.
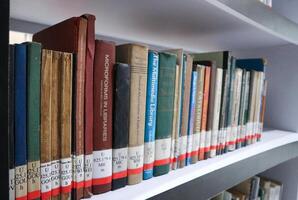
(103, 113)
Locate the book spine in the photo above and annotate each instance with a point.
(246, 107)
(259, 105)
(188, 60)
(165, 107)
(33, 119)
(20, 122)
(103, 114)
(241, 124)
(120, 125)
(45, 124)
(90, 50)
(252, 102)
(203, 149)
(151, 107)
(66, 74)
(192, 108)
(198, 114)
(263, 107)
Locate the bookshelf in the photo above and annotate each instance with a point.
(246, 24)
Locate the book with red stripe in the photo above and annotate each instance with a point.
(103, 114)
(165, 108)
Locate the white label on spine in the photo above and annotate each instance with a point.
(183, 144)
(21, 181)
(196, 141)
(66, 172)
(162, 149)
(135, 157)
(102, 163)
(208, 139)
(78, 168)
(149, 150)
(11, 184)
(229, 134)
(249, 129)
(172, 149)
(45, 177)
(243, 131)
(120, 160)
(88, 167)
(33, 176)
(261, 127)
(55, 174)
(189, 143)
(202, 139)
(177, 148)
(214, 137)
(234, 132)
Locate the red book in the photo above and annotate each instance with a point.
(103, 114)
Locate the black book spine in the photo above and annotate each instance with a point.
(120, 125)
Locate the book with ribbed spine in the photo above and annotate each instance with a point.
(137, 57)
(120, 125)
(165, 107)
(191, 114)
(33, 119)
(103, 115)
(150, 120)
(20, 121)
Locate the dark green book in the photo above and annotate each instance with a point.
(33, 118)
(165, 112)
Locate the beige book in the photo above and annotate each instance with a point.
(252, 105)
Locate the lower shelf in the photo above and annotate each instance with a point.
(209, 177)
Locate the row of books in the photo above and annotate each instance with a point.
(255, 188)
(88, 116)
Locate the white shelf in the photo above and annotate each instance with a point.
(157, 185)
(194, 25)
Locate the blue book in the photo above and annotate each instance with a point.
(150, 120)
(20, 121)
(192, 107)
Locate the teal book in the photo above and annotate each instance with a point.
(165, 112)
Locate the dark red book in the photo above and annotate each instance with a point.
(104, 61)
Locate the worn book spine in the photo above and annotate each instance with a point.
(164, 117)
(45, 124)
(192, 108)
(198, 114)
(103, 115)
(11, 122)
(120, 125)
(65, 128)
(151, 107)
(188, 60)
(33, 119)
(202, 149)
(90, 49)
(137, 57)
(55, 121)
(20, 122)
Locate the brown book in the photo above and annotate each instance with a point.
(45, 126)
(136, 56)
(185, 110)
(103, 113)
(65, 90)
(70, 36)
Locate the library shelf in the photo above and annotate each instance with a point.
(216, 174)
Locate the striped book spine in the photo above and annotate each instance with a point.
(150, 119)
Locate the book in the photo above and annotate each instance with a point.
(33, 119)
(151, 107)
(45, 124)
(70, 36)
(20, 121)
(65, 129)
(137, 57)
(104, 61)
(11, 118)
(90, 50)
(164, 117)
(120, 124)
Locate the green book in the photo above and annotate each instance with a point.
(33, 118)
(165, 112)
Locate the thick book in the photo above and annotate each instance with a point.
(120, 124)
(70, 36)
(33, 119)
(20, 121)
(192, 108)
(45, 124)
(65, 111)
(164, 117)
(137, 57)
(104, 61)
(151, 107)
(90, 50)
(11, 124)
